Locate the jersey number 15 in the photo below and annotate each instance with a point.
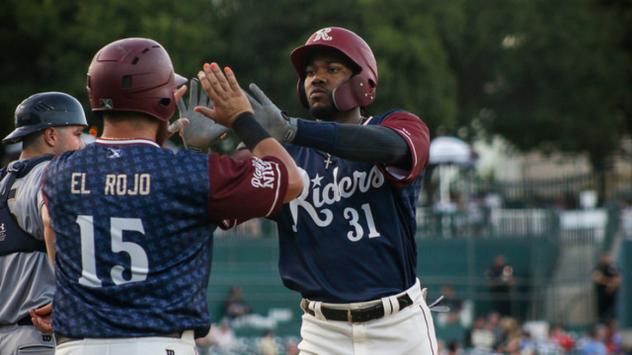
(138, 258)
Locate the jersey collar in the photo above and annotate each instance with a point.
(122, 141)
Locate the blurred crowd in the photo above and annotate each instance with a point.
(493, 334)
(221, 340)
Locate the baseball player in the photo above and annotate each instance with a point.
(132, 223)
(347, 243)
(47, 123)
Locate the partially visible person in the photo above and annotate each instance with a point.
(614, 340)
(594, 342)
(222, 336)
(267, 345)
(235, 306)
(607, 280)
(46, 124)
(453, 302)
(291, 348)
(453, 348)
(500, 282)
(132, 223)
(347, 243)
(494, 324)
(561, 338)
(480, 337)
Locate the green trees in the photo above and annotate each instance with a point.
(544, 75)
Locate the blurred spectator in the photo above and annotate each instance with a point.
(454, 302)
(527, 345)
(235, 305)
(500, 281)
(453, 348)
(222, 337)
(267, 345)
(558, 336)
(493, 201)
(479, 323)
(607, 280)
(481, 337)
(493, 325)
(291, 348)
(614, 342)
(204, 343)
(476, 214)
(441, 347)
(593, 344)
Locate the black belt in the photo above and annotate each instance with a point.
(26, 320)
(357, 315)
(60, 339)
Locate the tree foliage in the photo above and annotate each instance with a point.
(542, 74)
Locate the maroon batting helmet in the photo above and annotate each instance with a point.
(360, 89)
(133, 74)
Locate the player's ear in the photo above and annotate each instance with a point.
(50, 136)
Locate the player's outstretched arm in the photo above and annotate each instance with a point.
(276, 122)
(372, 144)
(233, 110)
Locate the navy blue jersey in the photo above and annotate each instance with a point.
(349, 237)
(134, 226)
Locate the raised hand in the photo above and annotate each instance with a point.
(280, 126)
(223, 89)
(196, 130)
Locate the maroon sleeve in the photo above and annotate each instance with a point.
(417, 136)
(241, 189)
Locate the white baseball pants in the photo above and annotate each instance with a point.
(409, 331)
(130, 346)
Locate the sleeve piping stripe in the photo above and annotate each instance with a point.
(276, 194)
(412, 149)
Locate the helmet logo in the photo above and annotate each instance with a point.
(322, 35)
(106, 104)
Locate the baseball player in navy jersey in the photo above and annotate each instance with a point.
(132, 223)
(347, 243)
(47, 123)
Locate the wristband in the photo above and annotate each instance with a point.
(249, 130)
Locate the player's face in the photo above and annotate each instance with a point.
(323, 73)
(69, 139)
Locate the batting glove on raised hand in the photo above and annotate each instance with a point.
(196, 130)
(280, 126)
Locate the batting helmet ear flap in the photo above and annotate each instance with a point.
(356, 92)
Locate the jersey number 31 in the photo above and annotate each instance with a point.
(139, 262)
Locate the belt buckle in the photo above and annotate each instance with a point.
(349, 316)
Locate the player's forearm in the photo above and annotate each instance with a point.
(261, 144)
(374, 144)
(49, 236)
(271, 147)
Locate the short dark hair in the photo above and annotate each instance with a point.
(118, 116)
(32, 139)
